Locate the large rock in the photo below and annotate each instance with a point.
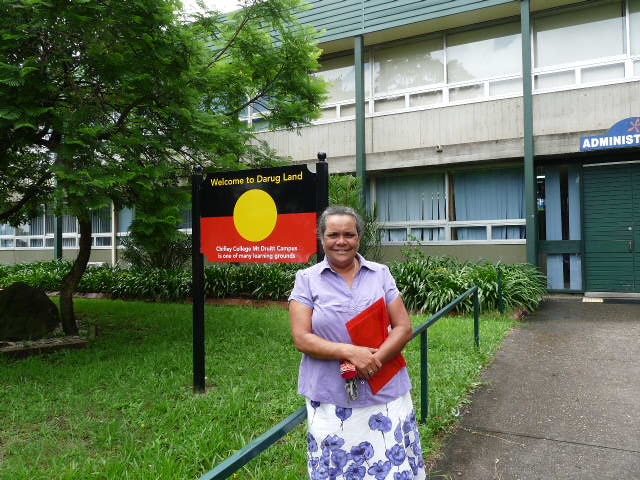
(26, 313)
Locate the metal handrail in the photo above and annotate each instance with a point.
(423, 331)
(250, 451)
(256, 447)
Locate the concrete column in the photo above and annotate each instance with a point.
(529, 155)
(361, 161)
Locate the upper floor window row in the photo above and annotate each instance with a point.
(486, 62)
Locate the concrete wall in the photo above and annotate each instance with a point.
(503, 253)
(476, 132)
(12, 257)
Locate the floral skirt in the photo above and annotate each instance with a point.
(380, 442)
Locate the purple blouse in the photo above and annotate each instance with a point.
(334, 304)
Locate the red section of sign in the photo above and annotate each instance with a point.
(293, 240)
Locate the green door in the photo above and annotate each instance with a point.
(611, 223)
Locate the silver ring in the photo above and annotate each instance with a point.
(370, 372)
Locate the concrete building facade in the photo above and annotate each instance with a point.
(472, 133)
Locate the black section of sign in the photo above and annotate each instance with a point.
(220, 191)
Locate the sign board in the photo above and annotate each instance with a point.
(263, 215)
(625, 133)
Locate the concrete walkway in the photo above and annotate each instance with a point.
(560, 401)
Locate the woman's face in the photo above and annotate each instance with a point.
(340, 240)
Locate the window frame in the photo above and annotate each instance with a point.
(447, 224)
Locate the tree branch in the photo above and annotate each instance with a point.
(28, 195)
(257, 95)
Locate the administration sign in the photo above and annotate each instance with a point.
(265, 215)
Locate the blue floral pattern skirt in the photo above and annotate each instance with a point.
(380, 442)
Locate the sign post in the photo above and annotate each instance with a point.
(197, 267)
(264, 215)
(322, 195)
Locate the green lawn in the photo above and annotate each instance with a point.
(124, 408)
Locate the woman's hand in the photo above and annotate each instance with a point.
(364, 360)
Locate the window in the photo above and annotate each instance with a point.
(69, 224)
(558, 200)
(473, 205)
(101, 241)
(488, 195)
(186, 220)
(411, 199)
(6, 229)
(634, 29)
(101, 220)
(340, 74)
(125, 218)
(50, 223)
(569, 36)
(484, 53)
(39, 231)
(36, 226)
(409, 65)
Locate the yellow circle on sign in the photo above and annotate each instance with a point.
(255, 215)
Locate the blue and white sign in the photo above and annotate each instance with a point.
(625, 133)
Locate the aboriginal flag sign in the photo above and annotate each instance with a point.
(265, 215)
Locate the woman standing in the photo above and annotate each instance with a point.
(372, 436)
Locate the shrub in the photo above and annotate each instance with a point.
(430, 283)
(258, 281)
(45, 275)
(427, 283)
(175, 252)
(153, 284)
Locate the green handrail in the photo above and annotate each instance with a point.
(423, 330)
(250, 451)
(255, 448)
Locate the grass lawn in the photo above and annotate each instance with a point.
(124, 408)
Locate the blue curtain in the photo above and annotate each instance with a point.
(490, 195)
(6, 229)
(125, 218)
(553, 223)
(411, 197)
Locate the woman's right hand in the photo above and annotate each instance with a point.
(363, 359)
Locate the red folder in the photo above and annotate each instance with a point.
(370, 328)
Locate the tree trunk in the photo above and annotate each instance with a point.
(71, 280)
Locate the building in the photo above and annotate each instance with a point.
(478, 140)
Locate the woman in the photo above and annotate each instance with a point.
(373, 436)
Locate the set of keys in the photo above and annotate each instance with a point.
(350, 375)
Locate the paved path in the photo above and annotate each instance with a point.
(561, 400)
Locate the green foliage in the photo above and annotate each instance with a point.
(347, 190)
(258, 281)
(153, 284)
(154, 239)
(45, 275)
(430, 283)
(81, 102)
(118, 101)
(173, 253)
(427, 283)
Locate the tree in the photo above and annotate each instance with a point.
(105, 100)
